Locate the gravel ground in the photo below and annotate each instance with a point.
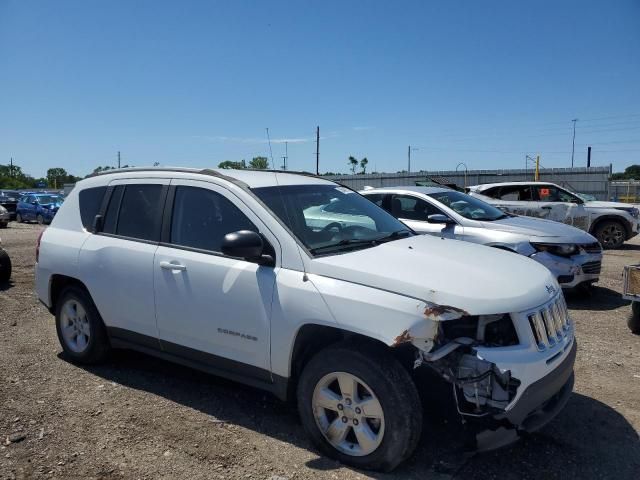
(138, 417)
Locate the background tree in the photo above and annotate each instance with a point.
(353, 162)
(632, 172)
(230, 164)
(260, 163)
(363, 164)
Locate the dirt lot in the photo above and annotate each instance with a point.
(138, 417)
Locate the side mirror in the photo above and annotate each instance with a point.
(98, 224)
(440, 218)
(246, 244)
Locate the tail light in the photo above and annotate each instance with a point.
(38, 246)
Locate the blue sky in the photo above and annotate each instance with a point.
(197, 82)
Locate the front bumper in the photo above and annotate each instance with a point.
(572, 271)
(537, 405)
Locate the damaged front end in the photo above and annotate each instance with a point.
(489, 395)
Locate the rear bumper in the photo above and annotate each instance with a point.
(540, 403)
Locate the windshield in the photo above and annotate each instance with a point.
(47, 199)
(330, 218)
(467, 206)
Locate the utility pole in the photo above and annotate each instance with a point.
(573, 142)
(284, 158)
(317, 150)
(118, 158)
(409, 157)
(588, 157)
(270, 151)
(537, 178)
(11, 168)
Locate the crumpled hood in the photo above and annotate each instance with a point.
(477, 279)
(542, 230)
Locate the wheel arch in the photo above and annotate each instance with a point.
(311, 338)
(57, 285)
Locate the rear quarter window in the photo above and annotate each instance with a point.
(90, 201)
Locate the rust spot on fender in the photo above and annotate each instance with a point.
(404, 337)
(444, 312)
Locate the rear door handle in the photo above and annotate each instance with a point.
(172, 266)
(546, 208)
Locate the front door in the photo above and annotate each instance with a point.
(211, 308)
(414, 212)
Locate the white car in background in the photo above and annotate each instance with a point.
(572, 255)
(610, 222)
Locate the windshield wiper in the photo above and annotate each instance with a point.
(346, 243)
(394, 235)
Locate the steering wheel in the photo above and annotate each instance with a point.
(331, 225)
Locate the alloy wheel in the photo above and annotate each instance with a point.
(611, 235)
(74, 325)
(348, 414)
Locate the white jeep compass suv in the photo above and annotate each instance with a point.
(228, 272)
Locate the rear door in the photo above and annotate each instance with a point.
(211, 308)
(117, 263)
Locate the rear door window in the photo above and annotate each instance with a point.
(135, 211)
(518, 193)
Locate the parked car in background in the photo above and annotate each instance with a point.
(610, 222)
(4, 217)
(9, 200)
(228, 271)
(5, 265)
(572, 255)
(39, 207)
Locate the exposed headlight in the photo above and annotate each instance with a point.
(564, 250)
(3, 210)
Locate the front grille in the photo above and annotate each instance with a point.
(592, 247)
(550, 324)
(592, 267)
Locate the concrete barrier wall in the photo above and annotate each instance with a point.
(592, 181)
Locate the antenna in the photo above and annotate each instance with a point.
(270, 151)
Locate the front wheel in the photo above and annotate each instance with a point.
(40, 219)
(360, 406)
(19, 218)
(634, 318)
(610, 234)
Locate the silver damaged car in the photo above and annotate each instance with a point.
(571, 254)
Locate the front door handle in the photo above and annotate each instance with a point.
(548, 207)
(172, 266)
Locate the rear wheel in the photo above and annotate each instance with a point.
(5, 266)
(634, 318)
(40, 219)
(610, 234)
(360, 406)
(80, 329)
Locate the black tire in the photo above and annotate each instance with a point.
(97, 347)
(634, 318)
(40, 219)
(19, 218)
(394, 389)
(4, 225)
(5, 266)
(610, 233)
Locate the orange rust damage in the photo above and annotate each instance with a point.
(404, 337)
(439, 310)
